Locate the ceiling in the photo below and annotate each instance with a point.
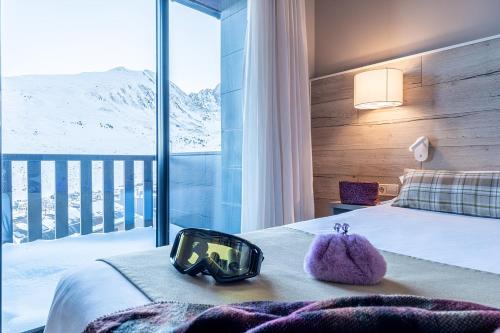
(210, 7)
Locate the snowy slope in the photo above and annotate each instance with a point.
(110, 112)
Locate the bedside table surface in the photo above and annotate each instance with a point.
(339, 205)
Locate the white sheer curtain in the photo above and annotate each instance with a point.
(277, 163)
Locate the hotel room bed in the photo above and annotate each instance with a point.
(468, 242)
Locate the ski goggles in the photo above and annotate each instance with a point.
(225, 257)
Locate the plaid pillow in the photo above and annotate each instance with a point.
(474, 193)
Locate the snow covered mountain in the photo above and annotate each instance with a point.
(110, 112)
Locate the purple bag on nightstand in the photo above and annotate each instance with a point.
(355, 193)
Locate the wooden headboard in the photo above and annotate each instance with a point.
(451, 95)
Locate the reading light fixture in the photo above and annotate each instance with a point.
(378, 88)
(420, 148)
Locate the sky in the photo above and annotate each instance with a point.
(74, 36)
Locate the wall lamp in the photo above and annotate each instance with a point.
(378, 88)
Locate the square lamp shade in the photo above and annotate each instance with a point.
(378, 88)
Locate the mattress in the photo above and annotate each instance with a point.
(98, 289)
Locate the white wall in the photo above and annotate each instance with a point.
(352, 33)
(310, 27)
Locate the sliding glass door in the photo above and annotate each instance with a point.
(121, 124)
(78, 142)
(194, 118)
(206, 52)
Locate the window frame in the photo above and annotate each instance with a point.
(162, 124)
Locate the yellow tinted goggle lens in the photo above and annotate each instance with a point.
(229, 257)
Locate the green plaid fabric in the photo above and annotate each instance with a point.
(468, 193)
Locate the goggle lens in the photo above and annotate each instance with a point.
(228, 257)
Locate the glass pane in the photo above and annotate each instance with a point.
(79, 142)
(195, 119)
(206, 116)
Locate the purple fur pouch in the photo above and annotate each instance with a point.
(342, 258)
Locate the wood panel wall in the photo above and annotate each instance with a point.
(451, 96)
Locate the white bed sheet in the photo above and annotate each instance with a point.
(471, 242)
(466, 241)
(89, 293)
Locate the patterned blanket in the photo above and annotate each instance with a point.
(347, 314)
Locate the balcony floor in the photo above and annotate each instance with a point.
(31, 271)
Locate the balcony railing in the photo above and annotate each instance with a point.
(195, 188)
(35, 228)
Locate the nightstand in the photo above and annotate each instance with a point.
(337, 207)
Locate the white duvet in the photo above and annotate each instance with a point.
(471, 242)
